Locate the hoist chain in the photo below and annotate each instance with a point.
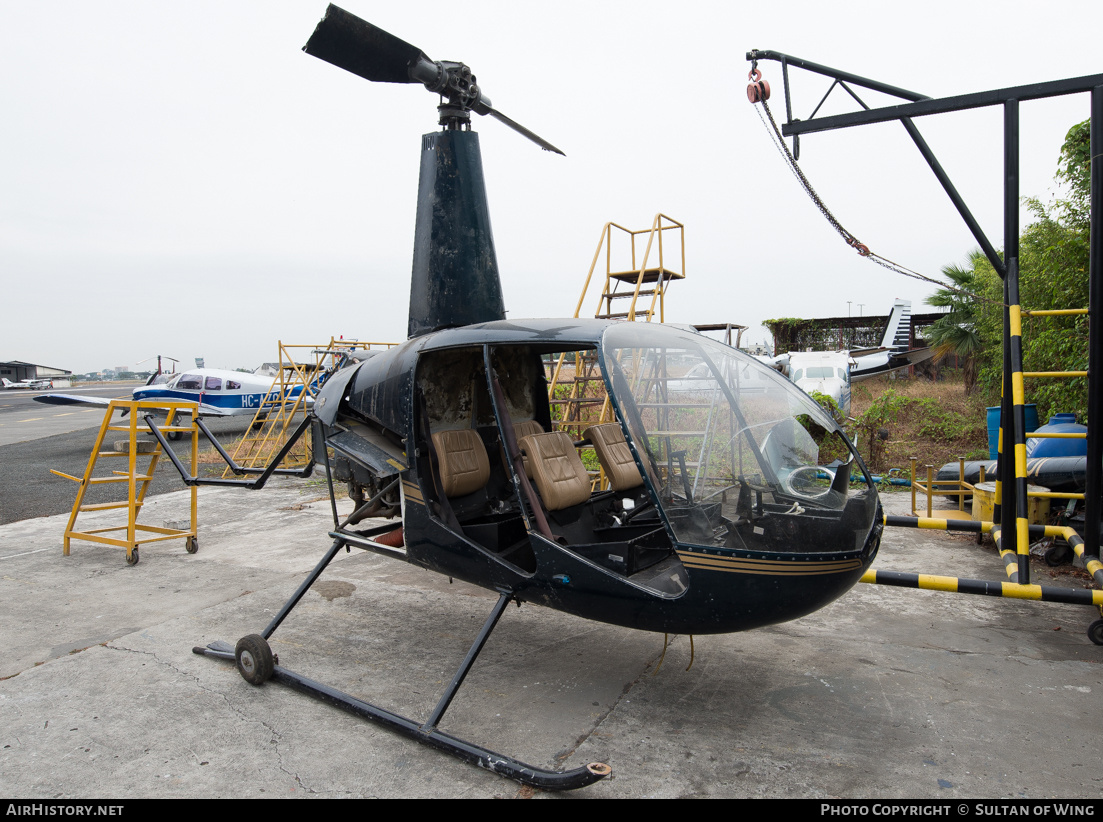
(779, 143)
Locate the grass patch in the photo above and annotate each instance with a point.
(894, 420)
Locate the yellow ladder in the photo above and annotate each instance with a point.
(137, 479)
(576, 390)
(1016, 563)
(628, 282)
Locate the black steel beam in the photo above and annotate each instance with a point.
(1094, 479)
(961, 102)
(827, 71)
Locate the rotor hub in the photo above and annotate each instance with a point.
(454, 118)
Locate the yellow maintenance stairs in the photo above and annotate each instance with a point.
(142, 457)
(634, 269)
(638, 272)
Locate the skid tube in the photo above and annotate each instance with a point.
(1012, 589)
(425, 733)
(254, 484)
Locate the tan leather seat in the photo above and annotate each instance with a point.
(523, 429)
(615, 456)
(557, 470)
(461, 455)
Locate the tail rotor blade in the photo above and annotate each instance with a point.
(520, 129)
(367, 51)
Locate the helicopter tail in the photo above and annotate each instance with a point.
(455, 275)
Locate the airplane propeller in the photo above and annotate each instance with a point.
(367, 51)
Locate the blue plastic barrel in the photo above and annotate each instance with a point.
(1030, 412)
(1059, 424)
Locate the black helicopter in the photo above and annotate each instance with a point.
(721, 514)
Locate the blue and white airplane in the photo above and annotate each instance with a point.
(219, 393)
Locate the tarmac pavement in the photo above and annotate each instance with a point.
(887, 693)
(28, 489)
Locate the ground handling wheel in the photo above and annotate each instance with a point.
(1095, 632)
(191, 544)
(132, 557)
(255, 661)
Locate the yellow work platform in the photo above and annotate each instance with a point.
(137, 477)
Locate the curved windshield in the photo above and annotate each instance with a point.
(738, 456)
(190, 382)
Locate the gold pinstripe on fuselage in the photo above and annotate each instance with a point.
(769, 567)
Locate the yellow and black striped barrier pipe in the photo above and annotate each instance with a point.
(957, 585)
(1018, 400)
(1010, 588)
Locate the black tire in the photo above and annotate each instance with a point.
(1057, 554)
(1095, 632)
(255, 662)
(191, 545)
(175, 435)
(133, 558)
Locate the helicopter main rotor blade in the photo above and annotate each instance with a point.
(355, 45)
(367, 51)
(520, 129)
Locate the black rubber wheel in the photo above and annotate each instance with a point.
(1057, 554)
(133, 558)
(191, 545)
(1095, 632)
(255, 662)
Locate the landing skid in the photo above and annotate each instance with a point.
(256, 663)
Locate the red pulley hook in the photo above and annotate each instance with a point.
(759, 90)
(861, 248)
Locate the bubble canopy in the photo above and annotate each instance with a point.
(736, 455)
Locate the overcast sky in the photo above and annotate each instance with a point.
(181, 179)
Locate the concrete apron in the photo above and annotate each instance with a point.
(887, 693)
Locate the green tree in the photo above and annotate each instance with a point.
(956, 331)
(1074, 169)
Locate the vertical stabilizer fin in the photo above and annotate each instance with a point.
(897, 334)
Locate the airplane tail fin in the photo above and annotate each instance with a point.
(897, 334)
(7, 383)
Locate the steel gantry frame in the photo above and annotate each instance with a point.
(1010, 529)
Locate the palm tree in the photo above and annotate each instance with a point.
(955, 332)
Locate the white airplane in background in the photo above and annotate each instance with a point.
(39, 385)
(827, 372)
(832, 372)
(219, 393)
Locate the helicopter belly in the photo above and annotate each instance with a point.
(705, 592)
